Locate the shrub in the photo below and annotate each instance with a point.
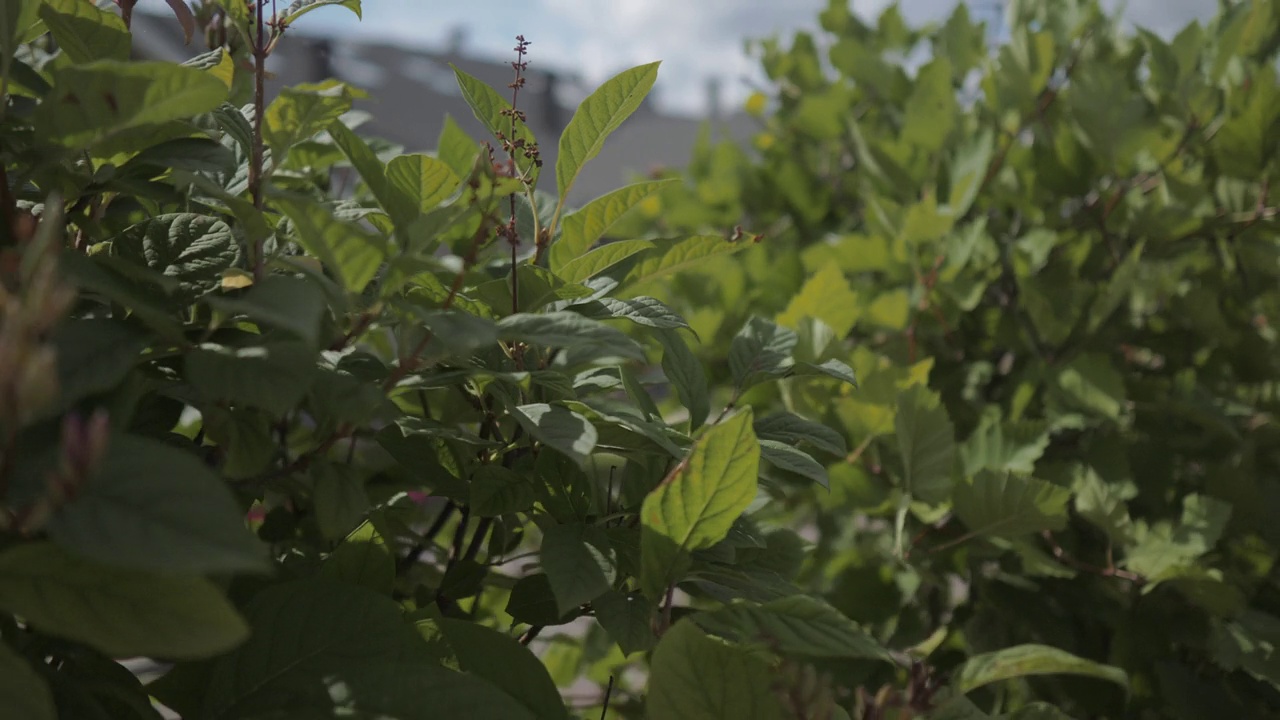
(1060, 252)
(332, 431)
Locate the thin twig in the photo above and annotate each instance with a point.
(428, 538)
(608, 692)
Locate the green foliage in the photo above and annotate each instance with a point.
(1050, 265)
(979, 426)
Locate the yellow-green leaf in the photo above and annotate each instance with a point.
(694, 507)
(597, 117)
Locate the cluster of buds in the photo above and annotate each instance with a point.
(515, 145)
(803, 691)
(33, 300)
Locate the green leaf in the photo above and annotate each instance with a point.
(492, 110)
(673, 256)
(120, 612)
(1161, 549)
(533, 602)
(506, 663)
(558, 428)
(495, 491)
(761, 350)
(833, 368)
(693, 677)
(350, 252)
(825, 296)
(927, 443)
(579, 562)
(1026, 660)
(301, 112)
(568, 330)
(627, 619)
(582, 228)
(686, 374)
(420, 183)
(341, 502)
(789, 428)
(1102, 506)
(23, 691)
(362, 559)
(456, 148)
(303, 633)
(190, 154)
(968, 168)
(414, 691)
(301, 7)
(792, 459)
(274, 375)
(597, 261)
(596, 118)
(293, 304)
(94, 356)
(368, 165)
(92, 102)
(153, 507)
(192, 249)
(642, 310)
(1090, 382)
(1004, 446)
(798, 625)
(84, 32)
(1006, 505)
(696, 504)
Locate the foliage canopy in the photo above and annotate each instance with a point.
(979, 426)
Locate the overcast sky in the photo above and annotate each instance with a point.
(695, 39)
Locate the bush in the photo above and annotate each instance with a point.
(332, 431)
(1072, 238)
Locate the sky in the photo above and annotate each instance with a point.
(695, 39)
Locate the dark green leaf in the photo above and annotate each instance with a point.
(798, 625)
(304, 632)
(1024, 660)
(760, 350)
(192, 249)
(568, 330)
(792, 459)
(120, 612)
(501, 660)
(94, 356)
(340, 499)
(495, 490)
(686, 374)
(273, 376)
(927, 443)
(533, 602)
(642, 310)
(627, 618)
(579, 563)
(22, 692)
(789, 428)
(94, 101)
(1007, 505)
(153, 507)
(693, 677)
(293, 304)
(558, 428)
